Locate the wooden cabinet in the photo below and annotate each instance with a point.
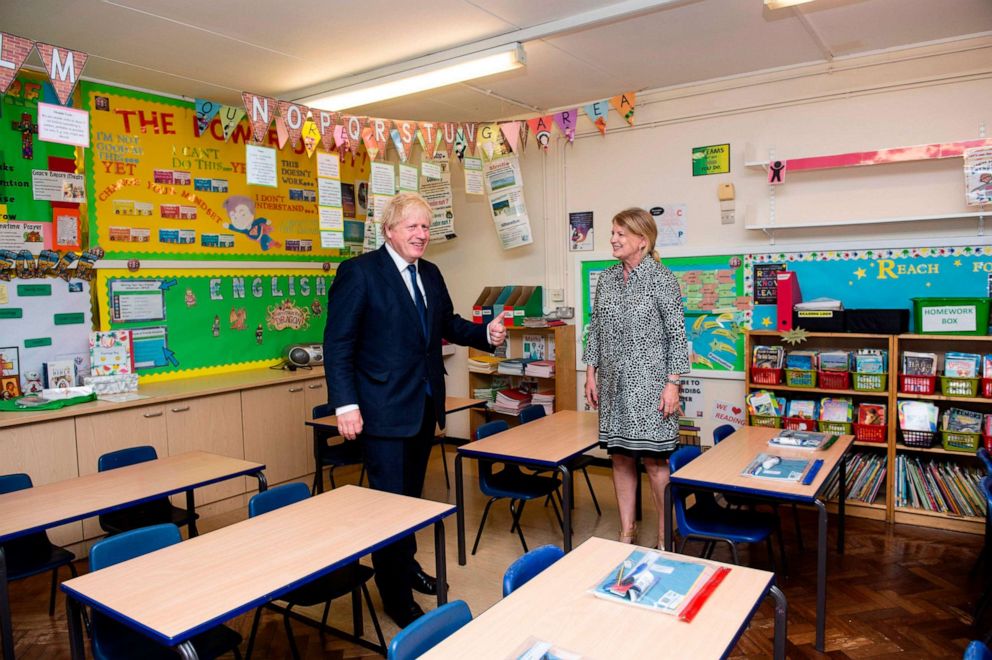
(275, 432)
(563, 383)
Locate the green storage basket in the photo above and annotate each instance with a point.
(800, 378)
(958, 441)
(840, 428)
(955, 386)
(770, 421)
(950, 316)
(866, 382)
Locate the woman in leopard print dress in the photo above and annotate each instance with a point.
(636, 350)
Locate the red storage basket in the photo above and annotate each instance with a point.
(909, 384)
(870, 433)
(987, 388)
(798, 424)
(835, 380)
(766, 376)
(987, 442)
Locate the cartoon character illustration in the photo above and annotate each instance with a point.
(241, 211)
(316, 307)
(190, 298)
(258, 334)
(32, 382)
(216, 326)
(238, 318)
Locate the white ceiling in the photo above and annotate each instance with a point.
(217, 48)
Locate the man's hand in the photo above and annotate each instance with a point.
(497, 331)
(670, 402)
(350, 424)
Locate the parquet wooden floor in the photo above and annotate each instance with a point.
(897, 591)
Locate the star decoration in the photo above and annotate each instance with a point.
(861, 273)
(957, 262)
(766, 322)
(794, 336)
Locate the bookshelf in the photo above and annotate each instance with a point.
(884, 508)
(563, 383)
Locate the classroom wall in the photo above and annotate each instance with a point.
(935, 93)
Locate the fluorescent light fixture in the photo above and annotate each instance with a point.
(782, 4)
(447, 72)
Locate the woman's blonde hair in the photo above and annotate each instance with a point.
(640, 223)
(397, 208)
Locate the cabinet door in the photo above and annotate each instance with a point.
(316, 395)
(47, 452)
(210, 423)
(275, 433)
(105, 432)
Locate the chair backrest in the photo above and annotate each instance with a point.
(986, 459)
(123, 457)
(134, 543)
(323, 410)
(977, 651)
(429, 630)
(682, 457)
(491, 428)
(528, 566)
(531, 412)
(10, 483)
(721, 432)
(276, 497)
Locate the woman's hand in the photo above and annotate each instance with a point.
(670, 403)
(592, 394)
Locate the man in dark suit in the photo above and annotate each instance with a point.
(387, 312)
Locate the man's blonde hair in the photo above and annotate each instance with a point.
(398, 207)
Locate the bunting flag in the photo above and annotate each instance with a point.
(460, 143)
(295, 116)
(408, 133)
(428, 138)
(511, 133)
(566, 122)
(61, 65)
(449, 135)
(624, 104)
(260, 111)
(488, 140)
(206, 110)
(230, 117)
(541, 128)
(469, 130)
(311, 136)
(353, 129)
(371, 146)
(326, 121)
(342, 140)
(13, 51)
(282, 131)
(401, 149)
(380, 133)
(524, 134)
(597, 114)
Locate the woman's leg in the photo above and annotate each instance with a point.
(625, 485)
(657, 470)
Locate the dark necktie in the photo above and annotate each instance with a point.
(418, 298)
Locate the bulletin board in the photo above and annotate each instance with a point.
(159, 191)
(197, 321)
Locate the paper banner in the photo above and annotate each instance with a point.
(489, 142)
(353, 129)
(282, 131)
(371, 146)
(13, 51)
(511, 133)
(295, 116)
(311, 136)
(380, 133)
(260, 111)
(408, 133)
(624, 104)
(449, 135)
(64, 66)
(597, 114)
(342, 140)
(541, 128)
(470, 131)
(460, 143)
(524, 134)
(326, 122)
(566, 122)
(206, 110)
(230, 117)
(428, 138)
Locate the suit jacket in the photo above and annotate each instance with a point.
(375, 352)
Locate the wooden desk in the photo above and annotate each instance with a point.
(719, 470)
(452, 404)
(174, 593)
(557, 607)
(36, 509)
(547, 443)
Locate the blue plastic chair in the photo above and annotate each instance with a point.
(429, 630)
(154, 512)
(977, 651)
(115, 640)
(512, 484)
(350, 579)
(528, 566)
(33, 554)
(707, 521)
(334, 455)
(534, 412)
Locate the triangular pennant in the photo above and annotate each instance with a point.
(524, 134)
(368, 139)
(624, 104)
(13, 51)
(282, 131)
(326, 122)
(206, 110)
(398, 144)
(428, 138)
(380, 133)
(341, 139)
(64, 66)
(353, 129)
(541, 128)
(488, 140)
(260, 111)
(449, 135)
(295, 116)
(469, 129)
(597, 114)
(511, 133)
(566, 122)
(408, 133)
(311, 136)
(230, 117)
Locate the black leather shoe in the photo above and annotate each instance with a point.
(404, 616)
(424, 583)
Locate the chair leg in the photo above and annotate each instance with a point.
(799, 529)
(373, 616)
(51, 597)
(444, 459)
(289, 633)
(485, 514)
(516, 521)
(327, 610)
(254, 631)
(318, 479)
(781, 546)
(733, 551)
(356, 613)
(708, 549)
(592, 493)
(361, 475)
(330, 474)
(771, 554)
(554, 506)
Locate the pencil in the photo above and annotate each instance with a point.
(620, 575)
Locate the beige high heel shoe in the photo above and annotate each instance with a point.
(629, 536)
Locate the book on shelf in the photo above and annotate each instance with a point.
(865, 477)
(872, 413)
(871, 360)
(919, 364)
(540, 369)
(987, 366)
(962, 365)
(939, 486)
(819, 304)
(484, 364)
(767, 357)
(513, 366)
(111, 352)
(777, 468)
(802, 408)
(836, 409)
(961, 421)
(805, 360)
(835, 361)
(800, 439)
(510, 401)
(917, 415)
(763, 402)
(59, 374)
(546, 399)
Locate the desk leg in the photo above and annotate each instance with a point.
(440, 563)
(781, 621)
(6, 629)
(840, 504)
(821, 576)
(263, 483)
(566, 510)
(186, 650)
(73, 610)
(668, 517)
(460, 508)
(191, 513)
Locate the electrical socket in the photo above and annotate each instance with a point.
(557, 295)
(727, 217)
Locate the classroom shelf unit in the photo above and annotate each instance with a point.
(563, 383)
(884, 508)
